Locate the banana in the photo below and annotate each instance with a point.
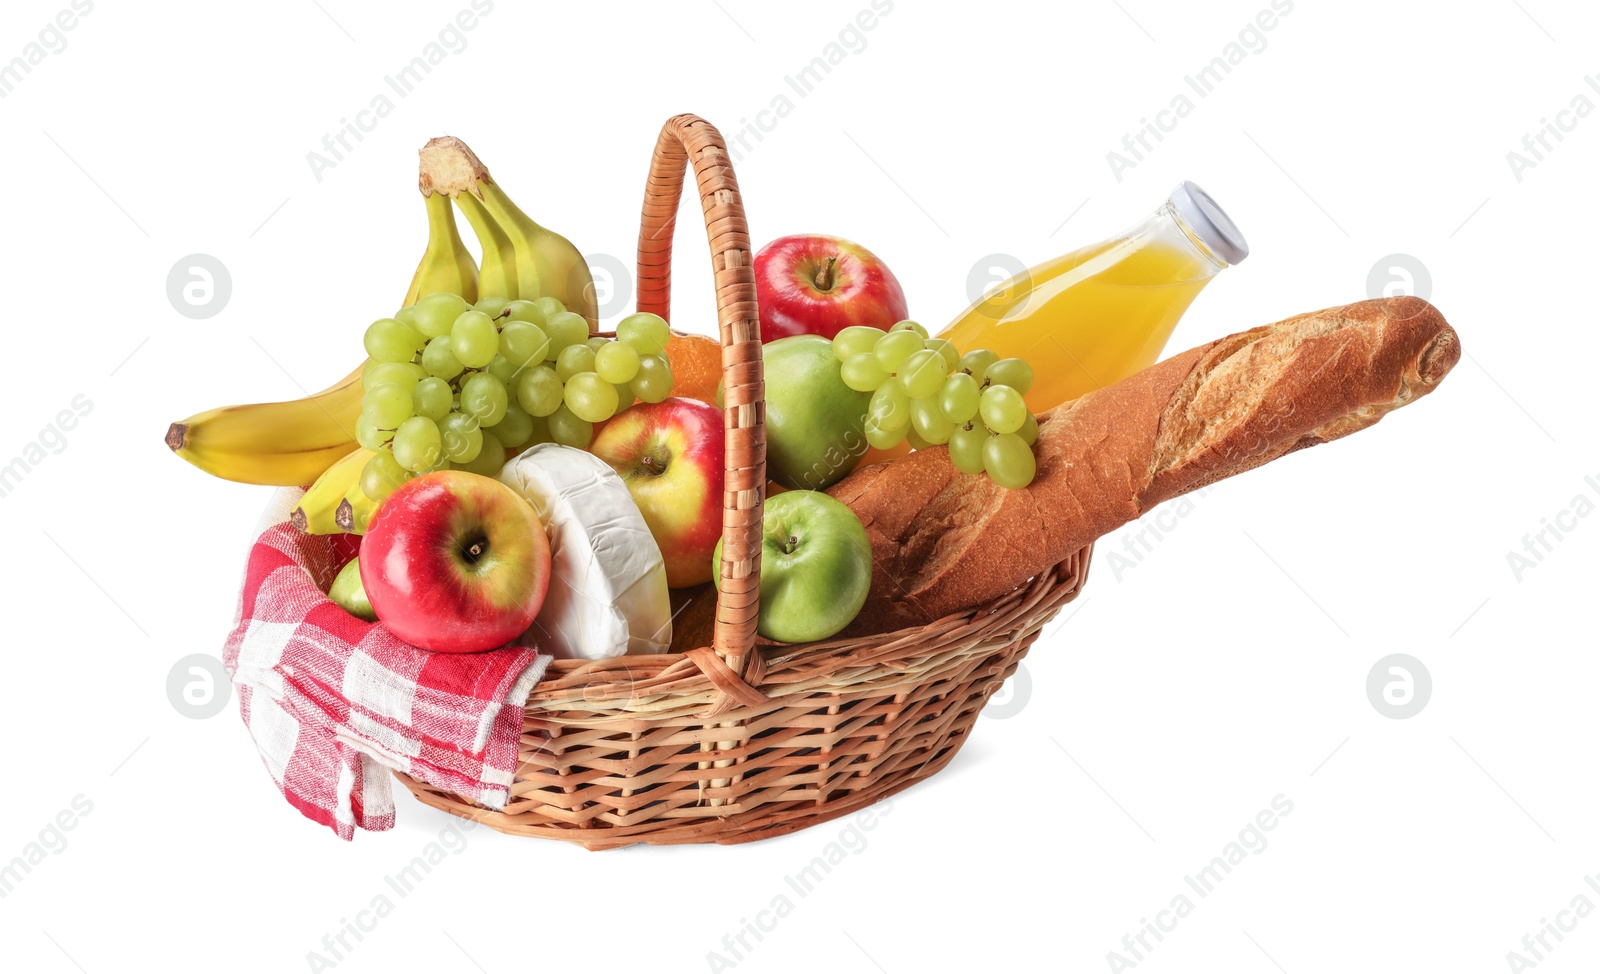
(547, 263)
(293, 443)
(446, 264)
(283, 444)
(498, 276)
(318, 509)
(521, 259)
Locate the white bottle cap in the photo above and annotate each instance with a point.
(1208, 222)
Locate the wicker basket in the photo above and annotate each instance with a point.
(735, 742)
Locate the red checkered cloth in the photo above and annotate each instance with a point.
(332, 701)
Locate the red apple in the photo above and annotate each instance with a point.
(811, 284)
(455, 562)
(670, 454)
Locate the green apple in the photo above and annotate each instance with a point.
(816, 566)
(814, 420)
(348, 594)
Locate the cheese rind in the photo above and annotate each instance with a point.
(608, 585)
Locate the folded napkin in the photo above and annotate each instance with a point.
(332, 700)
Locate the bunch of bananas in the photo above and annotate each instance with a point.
(312, 440)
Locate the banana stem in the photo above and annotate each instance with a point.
(448, 166)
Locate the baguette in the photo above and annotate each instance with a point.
(943, 541)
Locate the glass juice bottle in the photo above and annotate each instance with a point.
(1101, 313)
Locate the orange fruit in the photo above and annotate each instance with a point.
(696, 366)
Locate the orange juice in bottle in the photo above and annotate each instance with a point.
(1099, 314)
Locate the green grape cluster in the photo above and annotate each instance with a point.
(452, 385)
(925, 391)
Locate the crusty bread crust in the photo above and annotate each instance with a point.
(943, 541)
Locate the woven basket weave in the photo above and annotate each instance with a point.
(734, 742)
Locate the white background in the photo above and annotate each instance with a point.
(1179, 697)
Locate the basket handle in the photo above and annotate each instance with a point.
(685, 139)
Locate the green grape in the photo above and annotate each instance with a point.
(915, 438)
(540, 433)
(894, 348)
(1008, 461)
(434, 314)
(958, 398)
(539, 391)
(565, 329)
(417, 445)
(523, 343)
(491, 457)
(929, 422)
(625, 396)
(548, 306)
(474, 340)
(574, 359)
(881, 438)
(597, 343)
(408, 315)
(923, 373)
(1013, 372)
(431, 398)
(591, 398)
(382, 475)
(1030, 430)
(910, 326)
(462, 437)
(1002, 409)
(388, 340)
(438, 358)
(946, 349)
(528, 311)
(485, 397)
(654, 381)
(502, 368)
(966, 447)
(491, 306)
(890, 406)
(617, 362)
(514, 427)
(569, 430)
(386, 406)
(403, 373)
(862, 372)
(855, 340)
(368, 435)
(647, 333)
(977, 362)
